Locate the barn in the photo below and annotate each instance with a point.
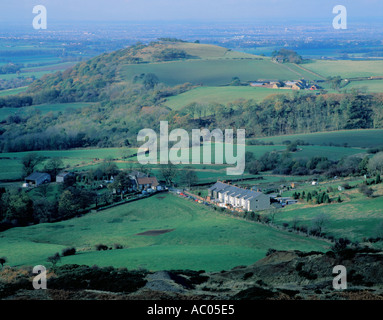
(37, 178)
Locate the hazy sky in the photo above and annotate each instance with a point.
(207, 10)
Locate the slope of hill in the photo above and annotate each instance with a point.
(173, 63)
(194, 237)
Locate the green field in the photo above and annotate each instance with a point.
(223, 95)
(37, 74)
(44, 108)
(307, 152)
(212, 72)
(369, 85)
(202, 238)
(10, 163)
(355, 219)
(207, 51)
(12, 91)
(346, 68)
(354, 138)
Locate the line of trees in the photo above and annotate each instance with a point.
(285, 164)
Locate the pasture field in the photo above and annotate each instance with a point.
(10, 163)
(363, 138)
(370, 85)
(197, 238)
(36, 74)
(346, 68)
(196, 50)
(223, 95)
(43, 108)
(307, 152)
(356, 218)
(211, 72)
(12, 91)
(50, 67)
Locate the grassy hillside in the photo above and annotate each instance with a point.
(353, 138)
(12, 91)
(369, 85)
(346, 68)
(10, 163)
(45, 108)
(195, 50)
(212, 72)
(358, 217)
(201, 238)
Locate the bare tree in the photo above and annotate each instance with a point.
(54, 259)
(272, 213)
(169, 173)
(295, 222)
(319, 222)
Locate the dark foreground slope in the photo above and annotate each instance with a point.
(282, 275)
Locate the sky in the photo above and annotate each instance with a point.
(20, 11)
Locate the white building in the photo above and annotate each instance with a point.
(239, 198)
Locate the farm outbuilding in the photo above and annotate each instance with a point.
(37, 178)
(64, 176)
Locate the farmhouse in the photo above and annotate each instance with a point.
(141, 181)
(37, 178)
(147, 183)
(238, 198)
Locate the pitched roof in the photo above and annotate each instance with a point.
(234, 191)
(148, 180)
(63, 174)
(37, 175)
(138, 174)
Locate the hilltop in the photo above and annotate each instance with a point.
(173, 63)
(190, 85)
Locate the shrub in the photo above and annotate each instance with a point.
(366, 190)
(68, 252)
(75, 277)
(340, 245)
(54, 259)
(247, 275)
(101, 247)
(118, 246)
